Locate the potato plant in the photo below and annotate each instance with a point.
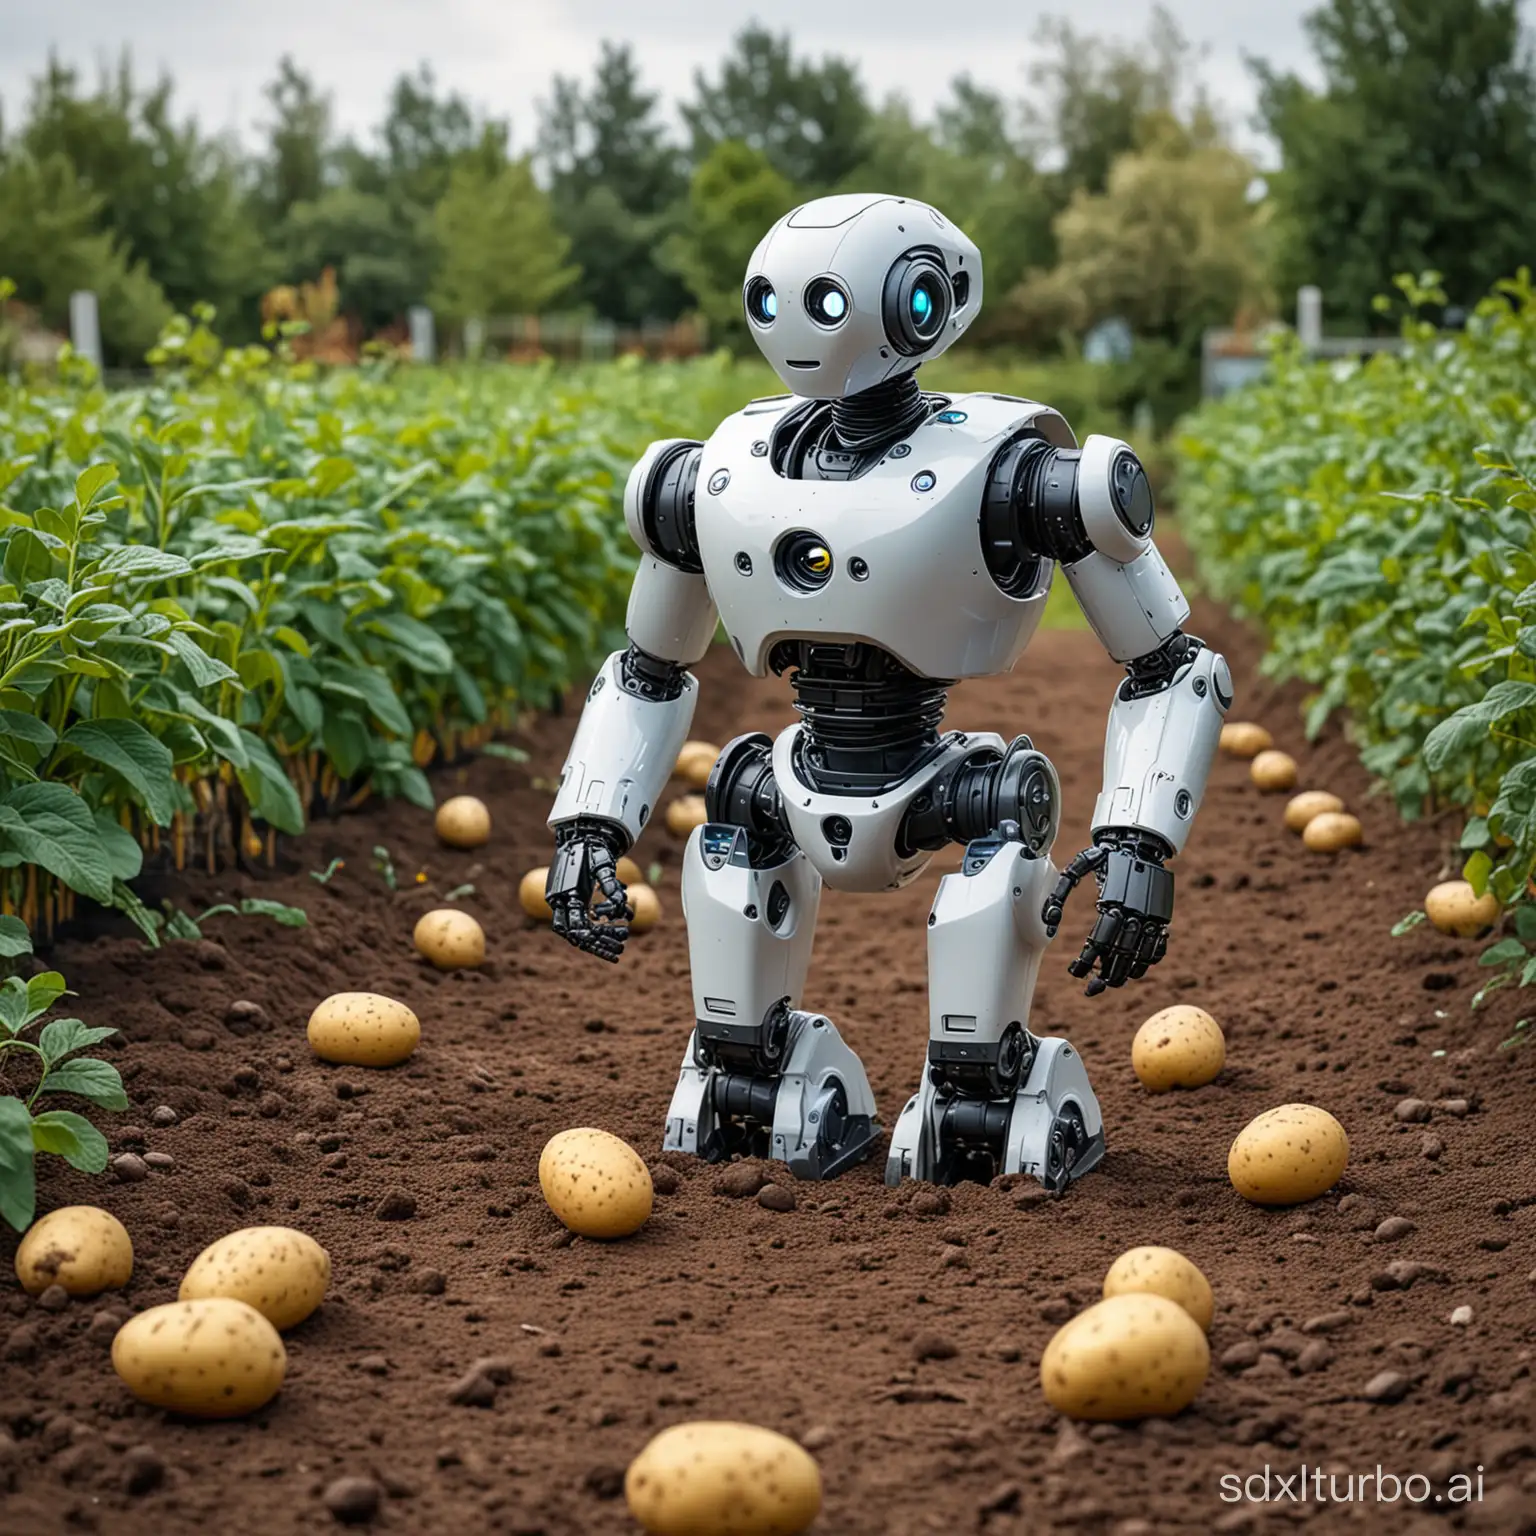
(1379, 520)
(48, 1064)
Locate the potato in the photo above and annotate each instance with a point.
(1163, 1272)
(685, 813)
(1306, 805)
(363, 1029)
(647, 907)
(531, 893)
(1273, 771)
(1454, 907)
(630, 872)
(1332, 831)
(450, 939)
(280, 1272)
(695, 761)
(215, 1359)
(1178, 1047)
(463, 822)
(1288, 1155)
(596, 1184)
(1242, 738)
(80, 1247)
(721, 1479)
(1126, 1357)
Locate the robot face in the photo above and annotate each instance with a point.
(847, 291)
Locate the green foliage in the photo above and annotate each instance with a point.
(49, 1064)
(1379, 519)
(733, 199)
(1418, 151)
(502, 254)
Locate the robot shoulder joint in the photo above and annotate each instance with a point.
(658, 502)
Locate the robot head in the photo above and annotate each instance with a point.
(847, 291)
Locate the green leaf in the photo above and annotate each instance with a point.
(43, 991)
(142, 562)
(28, 558)
(72, 1137)
(15, 941)
(97, 1081)
(13, 1004)
(1404, 925)
(124, 854)
(18, 1177)
(289, 917)
(90, 483)
(50, 825)
(142, 759)
(270, 791)
(61, 1037)
(204, 670)
(1505, 952)
(286, 635)
(27, 728)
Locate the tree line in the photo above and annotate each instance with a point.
(1107, 187)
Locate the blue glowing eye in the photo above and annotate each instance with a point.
(770, 304)
(921, 303)
(833, 305)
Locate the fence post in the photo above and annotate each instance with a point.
(423, 335)
(1309, 315)
(474, 338)
(85, 326)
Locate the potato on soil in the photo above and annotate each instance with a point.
(1273, 771)
(695, 761)
(1163, 1272)
(1454, 907)
(363, 1029)
(281, 1272)
(463, 822)
(215, 1359)
(630, 873)
(1332, 831)
(723, 1479)
(531, 894)
(80, 1247)
(1130, 1356)
(595, 1183)
(1288, 1155)
(685, 813)
(1242, 738)
(450, 939)
(647, 908)
(1308, 804)
(1178, 1047)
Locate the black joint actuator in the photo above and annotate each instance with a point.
(666, 507)
(1138, 884)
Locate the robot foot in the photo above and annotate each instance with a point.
(1049, 1127)
(804, 1101)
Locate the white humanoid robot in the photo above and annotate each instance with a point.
(877, 544)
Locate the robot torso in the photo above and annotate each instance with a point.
(892, 558)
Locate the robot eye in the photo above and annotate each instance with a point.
(762, 301)
(917, 302)
(826, 302)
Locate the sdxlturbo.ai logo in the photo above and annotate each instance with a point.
(1329, 1485)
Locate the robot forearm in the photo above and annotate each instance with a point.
(1163, 728)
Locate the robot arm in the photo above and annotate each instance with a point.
(1091, 510)
(638, 709)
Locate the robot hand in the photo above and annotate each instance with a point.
(585, 855)
(1135, 904)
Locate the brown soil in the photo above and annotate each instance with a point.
(898, 1333)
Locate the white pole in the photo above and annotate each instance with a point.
(85, 326)
(474, 338)
(1309, 315)
(423, 335)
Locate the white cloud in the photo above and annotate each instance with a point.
(502, 55)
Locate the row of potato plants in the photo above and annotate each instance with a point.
(1378, 519)
(250, 590)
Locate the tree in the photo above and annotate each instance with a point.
(171, 197)
(734, 196)
(1419, 150)
(502, 254)
(358, 235)
(297, 164)
(51, 244)
(616, 183)
(807, 119)
(1174, 245)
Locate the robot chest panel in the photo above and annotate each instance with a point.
(893, 559)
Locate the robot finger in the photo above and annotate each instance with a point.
(1098, 947)
(1150, 949)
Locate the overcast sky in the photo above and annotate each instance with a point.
(502, 53)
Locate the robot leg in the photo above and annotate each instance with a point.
(760, 1076)
(995, 1098)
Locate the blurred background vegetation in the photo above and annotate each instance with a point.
(1109, 188)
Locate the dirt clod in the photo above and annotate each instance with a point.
(142, 1470)
(397, 1205)
(129, 1168)
(1387, 1387)
(776, 1197)
(1394, 1228)
(246, 1018)
(1412, 1111)
(741, 1180)
(353, 1500)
